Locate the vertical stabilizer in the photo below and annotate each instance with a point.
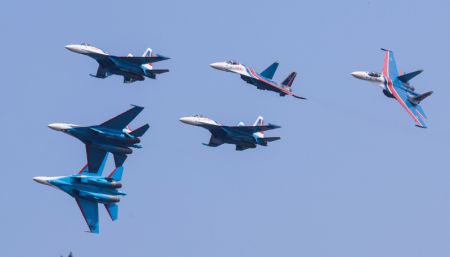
(259, 122)
(270, 71)
(289, 80)
(116, 174)
(148, 52)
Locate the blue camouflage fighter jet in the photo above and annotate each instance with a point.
(263, 80)
(397, 86)
(132, 68)
(112, 136)
(244, 137)
(89, 189)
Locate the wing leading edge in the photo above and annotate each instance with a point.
(122, 120)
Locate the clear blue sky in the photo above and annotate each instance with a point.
(351, 176)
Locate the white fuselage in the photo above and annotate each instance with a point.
(85, 49)
(230, 67)
(198, 121)
(374, 77)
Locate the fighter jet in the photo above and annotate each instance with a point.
(130, 67)
(111, 136)
(263, 80)
(89, 189)
(397, 86)
(242, 136)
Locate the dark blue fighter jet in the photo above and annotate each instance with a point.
(89, 189)
(132, 68)
(244, 137)
(111, 136)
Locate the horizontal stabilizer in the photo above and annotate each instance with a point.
(417, 99)
(421, 112)
(113, 210)
(116, 174)
(270, 71)
(405, 78)
(270, 139)
(158, 71)
(139, 132)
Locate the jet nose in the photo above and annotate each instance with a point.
(184, 120)
(59, 126)
(70, 47)
(358, 74)
(55, 126)
(187, 120)
(217, 65)
(74, 48)
(41, 180)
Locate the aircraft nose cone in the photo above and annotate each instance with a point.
(60, 126)
(358, 74)
(185, 120)
(71, 48)
(216, 65)
(55, 126)
(41, 180)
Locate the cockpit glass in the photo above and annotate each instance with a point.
(233, 62)
(374, 74)
(85, 44)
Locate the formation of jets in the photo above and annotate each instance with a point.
(90, 188)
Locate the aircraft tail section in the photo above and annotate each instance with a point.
(289, 80)
(270, 139)
(259, 121)
(148, 53)
(119, 159)
(113, 210)
(139, 132)
(151, 73)
(405, 78)
(116, 174)
(417, 99)
(270, 71)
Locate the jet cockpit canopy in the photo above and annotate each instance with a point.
(232, 62)
(375, 74)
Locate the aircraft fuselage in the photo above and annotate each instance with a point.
(99, 137)
(93, 188)
(252, 77)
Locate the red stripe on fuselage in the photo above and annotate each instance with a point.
(254, 74)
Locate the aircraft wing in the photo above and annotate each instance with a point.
(415, 111)
(395, 87)
(138, 60)
(122, 120)
(96, 159)
(250, 129)
(389, 65)
(90, 213)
